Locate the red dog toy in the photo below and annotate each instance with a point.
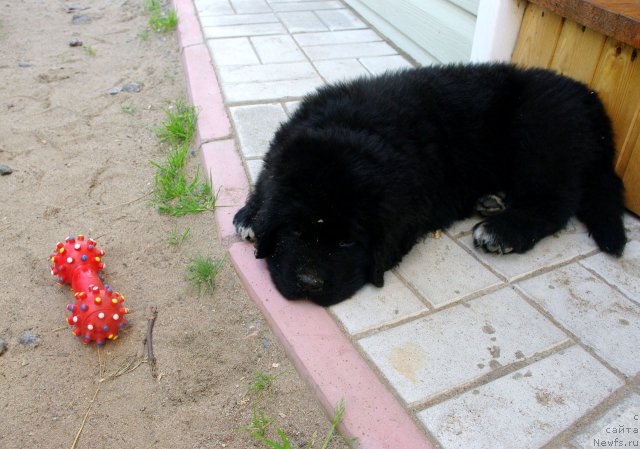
(98, 314)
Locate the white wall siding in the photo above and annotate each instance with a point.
(430, 31)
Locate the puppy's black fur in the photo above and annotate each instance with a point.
(364, 169)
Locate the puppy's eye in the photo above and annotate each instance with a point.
(346, 243)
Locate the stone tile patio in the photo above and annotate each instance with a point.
(483, 351)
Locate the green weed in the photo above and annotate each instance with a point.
(258, 427)
(162, 22)
(202, 273)
(176, 238)
(179, 125)
(129, 108)
(143, 35)
(261, 383)
(152, 5)
(259, 423)
(88, 49)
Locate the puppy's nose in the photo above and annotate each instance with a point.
(310, 282)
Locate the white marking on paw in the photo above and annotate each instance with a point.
(246, 233)
(487, 240)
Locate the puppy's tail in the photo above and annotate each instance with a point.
(602, 206)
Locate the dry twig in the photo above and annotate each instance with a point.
(148, 340)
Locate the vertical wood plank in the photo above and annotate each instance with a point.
(631, 179)
(617, 81)
(538, 37)
(578, 52)
(629, 144)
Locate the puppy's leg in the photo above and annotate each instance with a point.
(601, 209)
(523, 224)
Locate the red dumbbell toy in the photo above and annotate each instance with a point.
(98, 313)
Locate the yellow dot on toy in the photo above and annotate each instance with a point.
(61, 250)
(98, 299)
(110, 337)
(97, 259)
(53, 259)
(114, 300)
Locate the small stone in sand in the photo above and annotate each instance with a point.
(3, 345)
(24, 64)
(5, 170)
(131, 87)
(76, 7)
(114, 90)
(75, 42)
(79, 19)
(29, 339)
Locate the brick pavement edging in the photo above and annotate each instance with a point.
(323, 355)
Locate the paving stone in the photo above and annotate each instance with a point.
(302, 21)
(340, 69)
(337, 37)
(250, 6)
(460, 344)
(623, 272)
(380, 64)
(213, 7)
(632, 226)
(266, 72)
(237, 19)
(320, 52)
(278, 48)
(271, 90)
(340, 19)
(252, 29)
(443, 272)
(254, 166)
(598, 315)
(255, 126)
(525, 409)
(305, 6)
(621, 414)
(574, 241)
(232, 51)
(372, 307)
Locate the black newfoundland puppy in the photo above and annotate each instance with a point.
(364, 169)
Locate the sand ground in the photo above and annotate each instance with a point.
(80, 164)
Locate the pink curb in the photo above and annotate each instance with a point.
(222, 162)
(188, 24)
(204, 93)
(328, 360)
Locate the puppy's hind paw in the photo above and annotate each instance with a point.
(491, 204)
(488, 240)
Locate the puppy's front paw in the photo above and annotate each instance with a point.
(488, 240)
(243, 225)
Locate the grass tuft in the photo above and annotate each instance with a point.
(174, 194)
(159, 20)
(88, 49)
(177, 238)
(180, 124)
(202, 272)
(261, 383)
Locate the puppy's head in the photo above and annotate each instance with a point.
(314, 224)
